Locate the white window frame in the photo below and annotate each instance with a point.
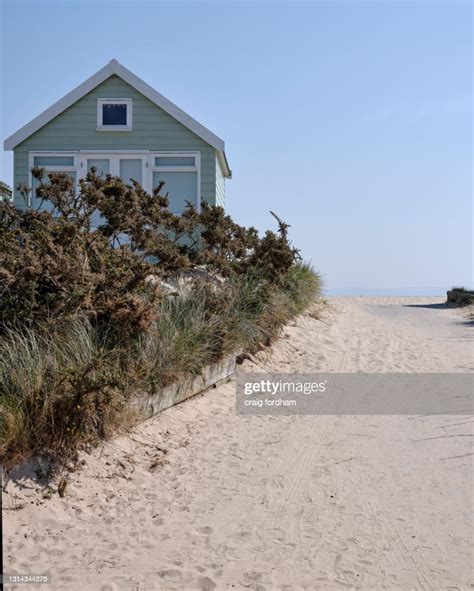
(148, 165)
(31, 164)
(114, 101)
(196, 168)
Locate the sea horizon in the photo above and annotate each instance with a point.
(435, 291)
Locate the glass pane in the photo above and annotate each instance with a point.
(102, 166)
(54, 160)
(174, 161)
(47, 205)
(180, 186)
(131, 169)
(114, 114)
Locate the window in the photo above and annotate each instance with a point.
(51, 162)
(54, 161)
(180, 173)
(114, 114)
(181, 188)
(101, 165)
(174, 161)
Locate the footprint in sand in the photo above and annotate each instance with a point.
(206, 584)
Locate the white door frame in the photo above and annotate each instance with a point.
(114, 160)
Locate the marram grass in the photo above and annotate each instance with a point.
(63, 387)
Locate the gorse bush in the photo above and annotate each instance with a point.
(54, 265)
(86, 321)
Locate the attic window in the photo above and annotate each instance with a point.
(114, 114)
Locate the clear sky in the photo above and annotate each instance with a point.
(351, 120)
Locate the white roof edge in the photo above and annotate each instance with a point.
(168, 106)
(224, 164)
(58, 107)
(114, 67)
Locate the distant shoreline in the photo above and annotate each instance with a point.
(387, 292)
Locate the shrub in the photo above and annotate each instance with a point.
(54, 265)
(51, 269)
(85, 321)
(58, 388)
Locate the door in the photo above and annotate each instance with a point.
(131, 169)
(127, 166)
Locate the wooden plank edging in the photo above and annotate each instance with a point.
(211, 375)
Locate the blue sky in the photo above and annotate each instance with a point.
(351, 120)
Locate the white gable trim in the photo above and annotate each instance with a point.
(58, 107)
(113, 67)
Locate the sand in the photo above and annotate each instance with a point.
(199, 498)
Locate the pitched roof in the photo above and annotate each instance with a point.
(115, 68)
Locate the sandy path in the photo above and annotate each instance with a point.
(314, 502)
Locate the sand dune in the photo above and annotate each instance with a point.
(199, 498)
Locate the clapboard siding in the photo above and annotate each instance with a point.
(220, 184)
(153, 129)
